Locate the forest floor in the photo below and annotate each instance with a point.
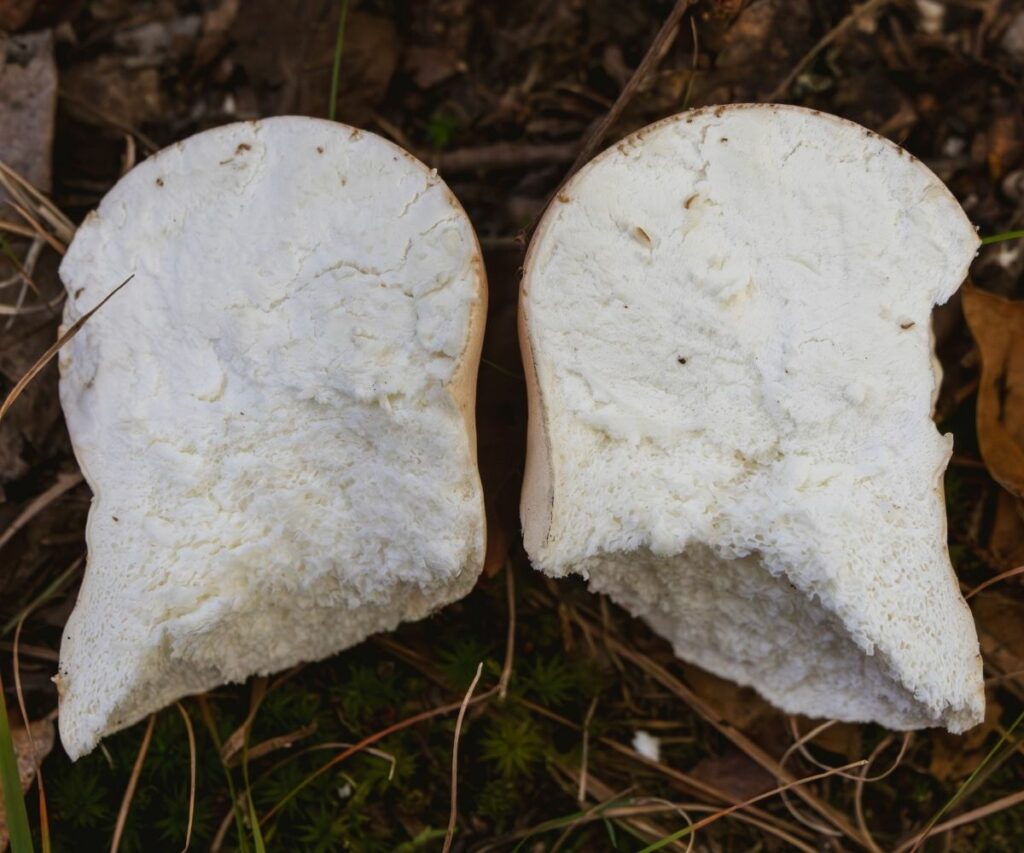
(502, 98)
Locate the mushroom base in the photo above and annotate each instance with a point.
(739, 619)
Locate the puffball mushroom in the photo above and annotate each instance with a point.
(275, 415)
(725, 320)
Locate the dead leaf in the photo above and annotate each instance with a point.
(288, 50)
(217, 22)
(42, 738)
(735, 773)
(1006, 542)
(841, 738)
(1004, 141)
(432, 65)
(762, 45)
(14, 14)
(28, 101)
(997, 325)
(954, 756)
(104, 92)
(999, 619)
(28, 104)
(741, 707)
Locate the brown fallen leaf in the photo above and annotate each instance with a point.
(431, 65)
(843, 739)
(217, 22)
(997, 325)
(761, 45)
(104, 92)
(954, 756)
(28, 106)
(741, 707)
(1004, 140)
(735, 773)
(999, 620)
(1006, 541)
(287, 49)
(28, 103)
(42, 736)
(14, 14)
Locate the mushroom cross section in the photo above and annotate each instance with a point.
(275, 415)
(726, 324)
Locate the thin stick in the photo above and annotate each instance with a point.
(15, 228)
(966, 785)
(369, 740)
(691, 784)
(37, 652)
(1001, 577)
(662, 675)
(662, 41)
(55, 244)
(700, 787)
(797, 745)
(65, 483)
(725, 812)
(582, 795)
(827, 39)
(858, 777)
(133, 781)
(610, 810)
(44, 359)
(192, 772)
(1006, 802)
(55, 586)
(20, 270)
(510, 641)
(455, 759)
(19, 187)
(113, 121)
(858, 792)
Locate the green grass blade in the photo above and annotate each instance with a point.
(668, 839)
(567, 820)
(254, 819)
(211, 725)
(55, 586)
(10, 786)
(959, 795)
(999, 238)
(339, 46)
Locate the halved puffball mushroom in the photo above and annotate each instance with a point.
(275, 415)
(725, 320)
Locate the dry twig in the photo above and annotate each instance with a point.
(455, 759)
(133, 781)
(859, 12)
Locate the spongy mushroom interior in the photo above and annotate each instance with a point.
(729, 320)
(264, 412)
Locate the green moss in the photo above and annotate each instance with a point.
(513, 743)
(80, 798)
